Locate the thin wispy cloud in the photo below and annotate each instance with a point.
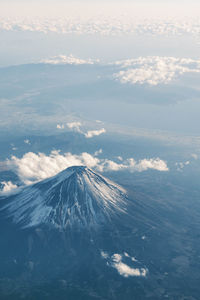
(92, 133)
(77, 127)
(68, 60)
(27, 142)
(181, 165)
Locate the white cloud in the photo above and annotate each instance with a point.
(123, 269)
(8, 187)
(34, 167)
(68, 60)
(120, 158)
(92, 133)
(133, 166)
(155, 70)
(96, 153)
(74, 126)
(155, 164)
(194, 155)
(107, 24)
(60, 126)
(126, 254)
(127, 271)
(180, 165)
(132, 258)
(117, 258)
(27, 142)
(104, 255)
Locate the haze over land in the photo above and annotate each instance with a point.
(99, 150)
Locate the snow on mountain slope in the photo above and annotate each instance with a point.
(76, 197)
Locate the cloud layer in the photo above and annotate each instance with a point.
(106, 25)
(34, 167)
(155, 70)
(151, 70)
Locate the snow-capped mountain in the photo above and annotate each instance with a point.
(80, 236)
(76, 197)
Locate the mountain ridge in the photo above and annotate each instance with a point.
(75, 197)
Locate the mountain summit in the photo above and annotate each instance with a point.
(78, 235)
(76, 197)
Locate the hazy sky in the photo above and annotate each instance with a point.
(51, 7)
(167, 22)
(98, 1)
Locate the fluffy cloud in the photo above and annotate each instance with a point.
(8, 187)
(155, 70)
(34, 167)
(123, 269)
(145, 164)
(133, 166)
(68, 60)
(74, 126)
(127, 271)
